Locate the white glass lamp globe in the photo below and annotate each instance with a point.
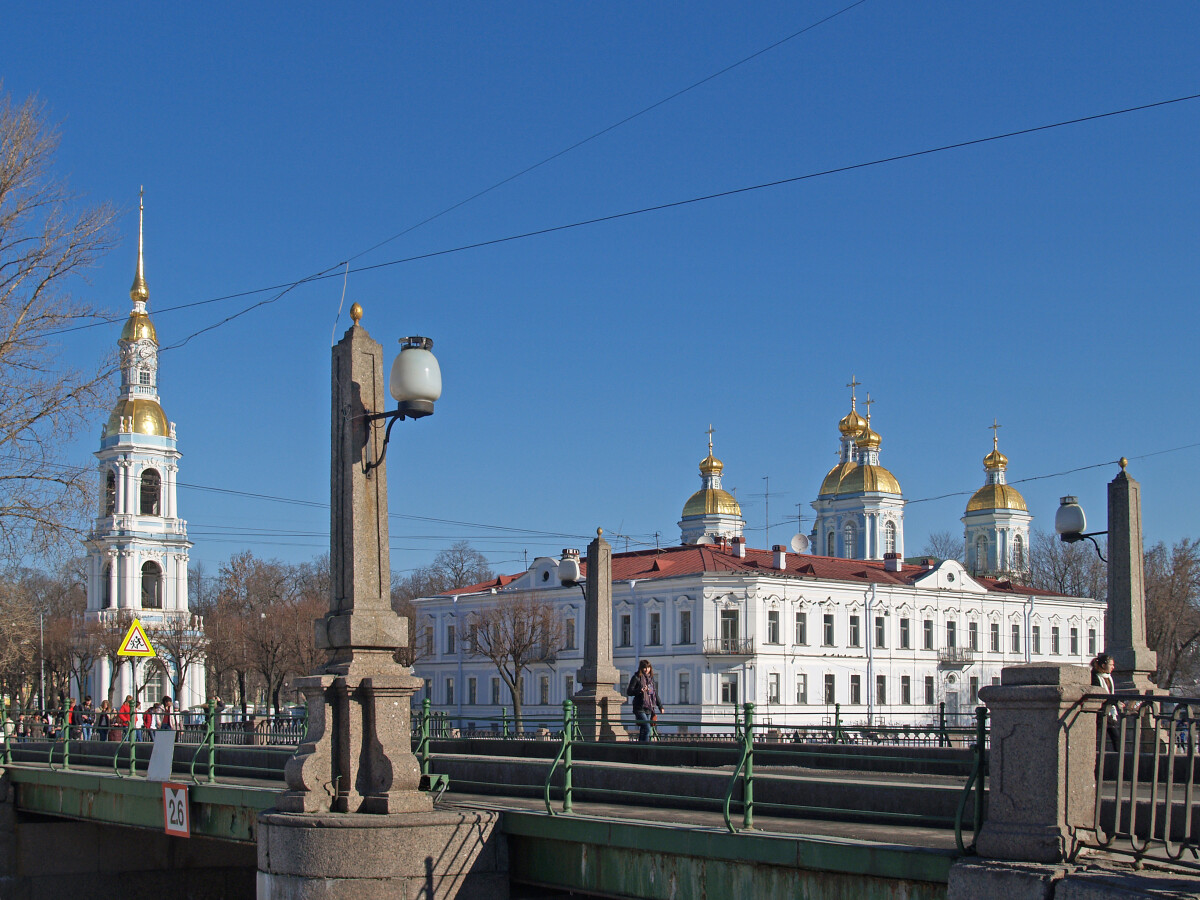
(416, 380)
(1070, 518)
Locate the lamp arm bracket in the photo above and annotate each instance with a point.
(392, 417)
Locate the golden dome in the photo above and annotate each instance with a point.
(869, 439)
(710, 465)
(138, 327)
(995, 460)
(711, 501)
(869, 478)
(833, 481)
(852, 423)
(996, 496)
(148, 417)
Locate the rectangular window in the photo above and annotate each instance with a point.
(450, 690)
(906, 634)
(1055, 644)
(855, 637)
(994, 637)
(472, 691)
(829, 690)
(906, 690)
(569, 687)
(974, 683)
(685, 626)
(1074, 641)
(544, 690)
(927, 634)
(685, 687)
(495, 692)
(929, 698)
(144, 378)
(429, 640)
(801, 689)
(1015, 643)
(428, 689)
(801, 628)
(773, 687)
(973, 635)
(569, 636)
(880, 632)
(1091, 642)
(828, 630)
(655, 629)
(729, 687)
(881, 690)
(1035, 638)
(729, 630)
(995, 679)
(951, 635)
(450, 642)
(626, 631)
(855, 689)
(473, 638)
(773, 627)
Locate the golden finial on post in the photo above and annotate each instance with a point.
(139, 293)
(599, 531)
(355, 313)
(1122, 462)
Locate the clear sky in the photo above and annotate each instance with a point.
(1047, 280)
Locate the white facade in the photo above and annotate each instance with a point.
(138, 546)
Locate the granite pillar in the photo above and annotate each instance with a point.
(597, 701)
(1125, 620)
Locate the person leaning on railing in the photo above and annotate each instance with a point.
(1102, 667)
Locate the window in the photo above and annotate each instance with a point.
(569, 687)
(428, 686)
(472, 691)
(473, 637)
(107, 576)
(981, 554)
(828, 630)
(569, 636)
(685, 687)
(906, 690)
(929, 698)
(995, 679)
(830, 544)
(928, 634)
(829, 690)
(495, 692)
(880, 632)
(729, 687)
(889, 537)
(906, 634)
(729, 629)
(151, 586)
(973, 635)
(773, 687)
(655, 629)
(1074, 641)
(855, 689)
(144, 377)
(848, 541)
(1035, 638)
(110, 493)
(429, 640)
(1016, 638)
(773, 627)
(1091, 641)
(449, 690)
(544, 689)
(626, 631)
(801, 689)
(881, 690)
(151, 485)
(1019, 553)
(994, 637)
(156, 683)
(855, 637)
(973, 681)
(801, 628)
(685, 626)
(451, 641)
(1055, 645)
(951, 634)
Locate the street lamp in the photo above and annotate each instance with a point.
(1070, 522)
(415, 383)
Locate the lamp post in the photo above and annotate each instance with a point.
(42, 656)
(1125, 618)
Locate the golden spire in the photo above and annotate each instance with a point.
(710, 465)
(995, 459)
(139, 292)
(868, 439)
(852, 423)
(710, 434)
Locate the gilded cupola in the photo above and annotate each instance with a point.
(711, 511)
(996, 493)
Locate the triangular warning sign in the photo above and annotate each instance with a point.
(136, 643)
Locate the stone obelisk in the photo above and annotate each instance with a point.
(597, 700)
(1125, 625)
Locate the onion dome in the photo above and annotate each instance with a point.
(710, 465)
(996, 496)
(138, 327)
(852, 423)
(143, 415)
(868, 438)
(995, 460)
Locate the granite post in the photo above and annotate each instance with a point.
(597, 701)
(1042, 795)
(1125, 620)
(352, 822)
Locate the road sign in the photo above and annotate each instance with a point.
(176, 818)
(136, 643)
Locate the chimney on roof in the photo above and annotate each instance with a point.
(892, 562)
(739, 547)
(928, 563)
(779, 557)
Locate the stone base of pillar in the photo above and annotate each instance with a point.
(1036, 843)
(598, 711)
(972, 879)
(382, 857)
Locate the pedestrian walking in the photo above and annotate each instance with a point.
(646, 705)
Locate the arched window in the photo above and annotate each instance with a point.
(151, 586)
(848, 541)
(110, 493)
(156, 685)
(151, 488)
(1019, 553)
(831, 543)
(107, 576)
(889, 537)
(981, 554)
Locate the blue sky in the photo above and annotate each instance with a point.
(1047, 280)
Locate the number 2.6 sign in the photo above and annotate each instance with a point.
(175, 810)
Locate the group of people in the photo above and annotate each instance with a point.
(85, 721)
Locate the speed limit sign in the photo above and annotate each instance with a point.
(175, 810)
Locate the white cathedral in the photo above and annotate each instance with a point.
(138, 546)
(851, 624)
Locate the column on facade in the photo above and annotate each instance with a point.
(131, 506)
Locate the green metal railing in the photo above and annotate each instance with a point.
(978, 776)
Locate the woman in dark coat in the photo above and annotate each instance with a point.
(1102, 667)
(646, 705)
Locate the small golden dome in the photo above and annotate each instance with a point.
(138, 327)
(995, 460)
(710, 465)
(829, 487)
(710, 501)
(996, 496)
(869, 478)
(852, 423)
(148, 417)
(869, 439)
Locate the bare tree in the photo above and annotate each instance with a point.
(1072, 569)
(516, 632)
(108, 637)
(944, 545)
(1173, 610)
(180, 641)
(45, 243)
(459, 565)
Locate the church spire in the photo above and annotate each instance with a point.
(139, 293)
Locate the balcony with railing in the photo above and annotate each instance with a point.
(956, 657)
(729, 646)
